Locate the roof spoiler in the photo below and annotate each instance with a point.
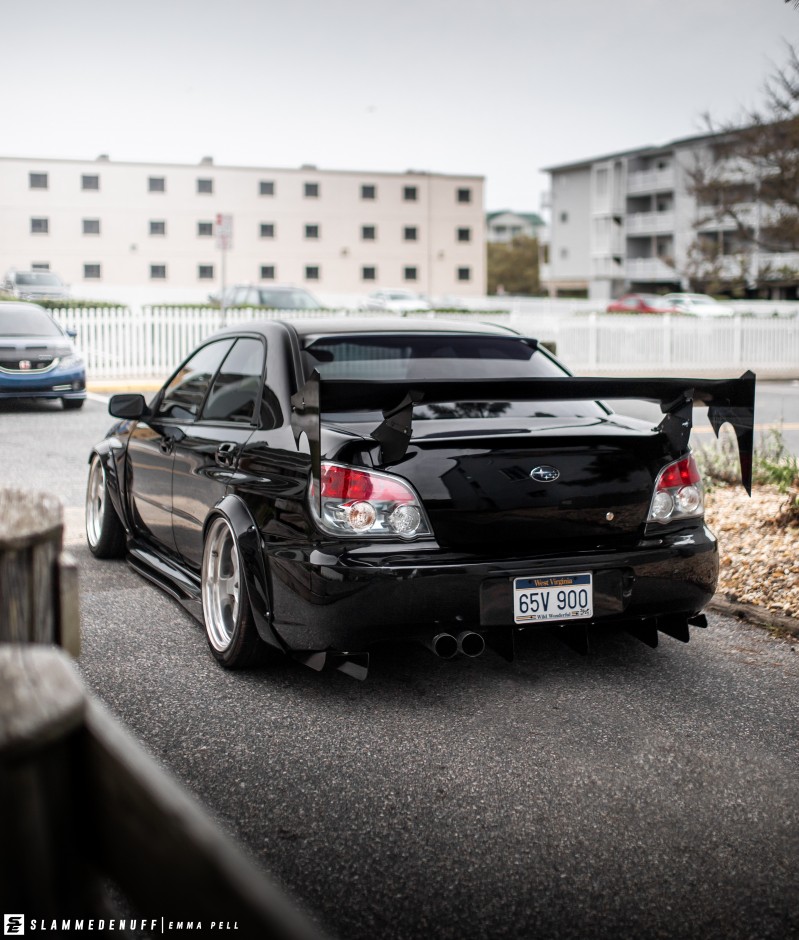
(728, 401)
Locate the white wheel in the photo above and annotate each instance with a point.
(232, 637)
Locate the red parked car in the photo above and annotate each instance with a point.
(639, 303)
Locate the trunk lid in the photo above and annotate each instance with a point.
(554, 485)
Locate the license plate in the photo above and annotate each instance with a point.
(553, 597)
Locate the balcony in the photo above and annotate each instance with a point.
(649, 269)
(651, 181)
(650, 223)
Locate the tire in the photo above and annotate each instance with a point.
(104, 532)
(72, 404)
(232, 636)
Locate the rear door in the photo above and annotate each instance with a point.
(208, 452)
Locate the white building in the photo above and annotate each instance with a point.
(505, 225)
(103, 224)
(627, 222)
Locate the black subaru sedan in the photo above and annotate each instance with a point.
(310, 488)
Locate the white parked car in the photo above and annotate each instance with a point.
(398, 300)
(698, 305)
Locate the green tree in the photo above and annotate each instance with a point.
(513, 266)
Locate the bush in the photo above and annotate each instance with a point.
(772, 464)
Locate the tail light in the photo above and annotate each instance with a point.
(679, 493)
(360, 502)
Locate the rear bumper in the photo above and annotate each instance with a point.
(349, 599)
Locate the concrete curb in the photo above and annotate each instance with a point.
(775, 623)
(113, 386)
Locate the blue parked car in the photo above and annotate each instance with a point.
(38, 358)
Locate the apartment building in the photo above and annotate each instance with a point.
(505, 225)
(628, 222)
(118, 224)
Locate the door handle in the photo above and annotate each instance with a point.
(226, 454)
(166, 445)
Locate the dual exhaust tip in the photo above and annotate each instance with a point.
(446, 645)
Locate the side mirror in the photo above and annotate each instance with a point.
(131, 406)
(72, 334)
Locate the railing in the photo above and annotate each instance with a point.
(649, 223)
(149, 343)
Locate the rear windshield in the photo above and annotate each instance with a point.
(22, 322)
(405, 357)
(37, 279)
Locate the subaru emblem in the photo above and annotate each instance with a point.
(545, 474)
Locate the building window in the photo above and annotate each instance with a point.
(205, 186)
(312, 231)
(564, 217)
(368, 191)
(38, 180)
(410, 193)
(464, 234)
(205, 272)
(464, 274)
(410, 274)
(410, 233)
(463, 195)
(369, 273)
(90, 182)
(311, 272)
(40, 226)
(266, 188)
(157, 227)
(156, 184)
(368, 233)
(311, 190)
(40, 266)
(157, 272)
(91, 226)
(267, 229)
(267, 272)
(205, 229)
(564, 253)
(91, 272)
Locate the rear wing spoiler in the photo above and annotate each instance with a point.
(729, 401)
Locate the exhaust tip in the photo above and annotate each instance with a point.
(444, 645)
(471, 643)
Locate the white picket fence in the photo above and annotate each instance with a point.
(148, 342)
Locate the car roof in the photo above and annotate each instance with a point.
(10, 306)
(325, 326)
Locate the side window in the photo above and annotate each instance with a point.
(185, 393)
(237, 386)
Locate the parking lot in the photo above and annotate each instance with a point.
(630, 793)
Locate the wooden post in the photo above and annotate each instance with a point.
(80, 801)
(38, 582)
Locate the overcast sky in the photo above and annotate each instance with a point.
(498, 88)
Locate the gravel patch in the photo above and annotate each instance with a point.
(759, 558)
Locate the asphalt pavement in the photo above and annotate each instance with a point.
(632, 793)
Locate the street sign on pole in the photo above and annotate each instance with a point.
(223, 230)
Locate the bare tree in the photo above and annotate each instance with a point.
(747, 180)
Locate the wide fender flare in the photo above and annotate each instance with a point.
(256, 576)
(111, 452)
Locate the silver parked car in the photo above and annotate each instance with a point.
(35, 285)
